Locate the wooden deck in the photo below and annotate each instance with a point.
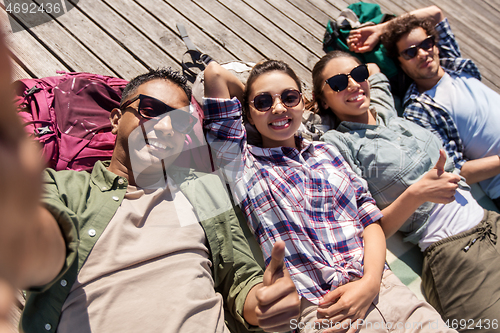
(125, 37)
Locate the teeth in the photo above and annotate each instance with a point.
(157, 145)
(355, 98)
(280, 123)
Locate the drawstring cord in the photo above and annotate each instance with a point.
(483, 232)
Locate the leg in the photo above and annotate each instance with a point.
(461, 277)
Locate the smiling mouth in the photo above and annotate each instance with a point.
(158, 145)
(356, 98)
(281, 122)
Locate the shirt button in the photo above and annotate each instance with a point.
(48, 327)
(64, 283)
(399, 138)
(320, 188)
(115, 198)
(91, 232)
(104, 188)
(418, 151)
(121, 181)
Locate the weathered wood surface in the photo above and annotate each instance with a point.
(126, 37)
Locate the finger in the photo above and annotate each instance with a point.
(335, 317)
(441, 161)
(331, 297)
(272, 304)
(277, 263)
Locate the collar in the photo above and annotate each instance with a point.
(106, 180)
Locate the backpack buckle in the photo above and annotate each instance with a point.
(42, 131)
(31, 91)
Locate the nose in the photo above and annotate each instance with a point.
(164, 126)
(422, 53)
(278, 106)
(353, 84)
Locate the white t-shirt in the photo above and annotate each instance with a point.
(451, 219)
(475, 109)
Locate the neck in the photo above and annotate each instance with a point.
(427, 84)
(290, 142)
(366, 118)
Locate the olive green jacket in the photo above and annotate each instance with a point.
(83, 205)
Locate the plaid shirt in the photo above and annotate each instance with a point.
(310, 198)
(423, 110)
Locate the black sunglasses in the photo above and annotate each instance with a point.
(265, 101)
(412, 51)
(340, 81)
(150, 107)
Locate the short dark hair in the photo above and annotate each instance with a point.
(315, 105)
(401, 26)
(262, 68)
(156, 74)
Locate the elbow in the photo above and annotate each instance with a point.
(436, 14)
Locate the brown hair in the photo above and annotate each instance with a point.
(401, 26)
(262, 68)
(315, 105)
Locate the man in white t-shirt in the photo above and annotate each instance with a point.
(447, 96)
(152, 246)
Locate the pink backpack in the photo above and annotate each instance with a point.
(69, 116)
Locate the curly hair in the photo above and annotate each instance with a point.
(318, 83)
(399, 27)
(263, 68)
(156, 74)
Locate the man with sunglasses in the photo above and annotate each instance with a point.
(150, 245)
(447, 96)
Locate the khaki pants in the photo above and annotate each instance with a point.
(395, 309)
(461, 277)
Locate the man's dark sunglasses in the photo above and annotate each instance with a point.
(150, 107)
(340, 81)
(289, 98)
(412, 51)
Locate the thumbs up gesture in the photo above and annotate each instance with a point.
(437, 185)
(274, 303)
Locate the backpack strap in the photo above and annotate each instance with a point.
(198, 60)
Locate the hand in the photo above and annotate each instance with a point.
(20, 176)
(6, 303)
(277, 300)
(364, 39)
(437, 185)
(346, 304)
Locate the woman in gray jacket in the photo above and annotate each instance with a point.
(406, 171)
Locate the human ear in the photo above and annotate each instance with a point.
(114, 118)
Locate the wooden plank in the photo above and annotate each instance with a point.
(153, 28)
(208, 34)
(18, 72)
(128, 36)
(28, 51)
(251, 35)
(63, 44)
(489, 17)
(286, 24)
(320, 10)
(106, 48)
(288, 45)
(300, 17)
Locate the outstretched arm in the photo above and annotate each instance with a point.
(220, 83)
(365, 39)
(350, 302)
(435, 186)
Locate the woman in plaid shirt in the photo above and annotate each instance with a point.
(305, 194)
